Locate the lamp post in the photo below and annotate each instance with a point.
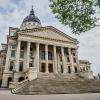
(13, 73)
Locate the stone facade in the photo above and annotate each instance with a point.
(33, 50)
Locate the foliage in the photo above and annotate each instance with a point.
(79, 15)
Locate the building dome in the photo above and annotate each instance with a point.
(30, 21)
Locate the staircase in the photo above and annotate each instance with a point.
(60, 86)
(17, 87)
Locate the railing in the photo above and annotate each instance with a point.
(17, 86)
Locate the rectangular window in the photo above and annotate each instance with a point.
(21, 66)
(42, 55)
(13, 46)
(43, 67)
(68, 59)
(30, 64)
(13, 53)
(21, 54)
(50, 68)
(31, 54)
(74, 60)
(31, 49)
(3, 62)
(22, 48)
(67, 51)
(69, 69)
(49, 55)
(61, 69)
(73, 54)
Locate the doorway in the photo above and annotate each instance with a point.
(43, 67)
(9, 80)
(50, 68)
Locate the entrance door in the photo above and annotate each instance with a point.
(43, 67)
(69, 69)
(50, 68)
(9, 80)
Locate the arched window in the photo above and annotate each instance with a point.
(20, 79)
(11, 65)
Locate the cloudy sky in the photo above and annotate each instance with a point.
(12, 13)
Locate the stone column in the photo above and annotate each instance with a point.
(71, 60)
(63, 60)
(17, 56)
(55, 59)
(28, 54)
(37, 56)
(7, 59)
(77, 60)
(46, 57)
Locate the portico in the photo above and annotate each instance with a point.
(46, 55)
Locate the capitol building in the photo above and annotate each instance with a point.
(34, 51)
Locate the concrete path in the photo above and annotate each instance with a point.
(7, 95)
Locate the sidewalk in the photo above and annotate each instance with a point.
(7, 95)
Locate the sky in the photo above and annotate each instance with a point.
(12, 13)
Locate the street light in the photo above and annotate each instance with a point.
(13, 72)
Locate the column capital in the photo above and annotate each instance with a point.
(46, 44)
(54, 46)
(28, 42)
(18, 40)
(38, 43)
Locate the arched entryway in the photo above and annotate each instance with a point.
(9, 80)
(20, 79)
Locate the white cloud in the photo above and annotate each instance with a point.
(15, 12)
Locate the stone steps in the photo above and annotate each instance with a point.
(60, 86)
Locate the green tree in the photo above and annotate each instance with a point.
(79, 15)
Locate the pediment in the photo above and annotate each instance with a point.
(52, 33)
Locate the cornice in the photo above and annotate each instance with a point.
(43, 38)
